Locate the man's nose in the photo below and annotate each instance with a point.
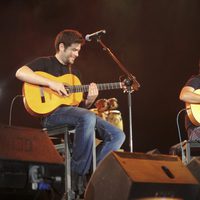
(76, 53)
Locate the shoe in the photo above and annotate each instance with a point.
(74, 181)
(78, 183)
(82, 183)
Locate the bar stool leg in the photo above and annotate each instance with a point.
(68, 189)
(94, 152)
(188, 153)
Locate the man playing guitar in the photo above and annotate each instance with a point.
(42, 76)
(190, 94)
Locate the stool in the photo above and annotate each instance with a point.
(189, 146)
(66, 130)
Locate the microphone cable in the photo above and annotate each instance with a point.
(184, 160)
(11, 108)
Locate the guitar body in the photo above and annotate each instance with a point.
(40, 100)
(193, 111)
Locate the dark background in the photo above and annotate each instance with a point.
(157, 40)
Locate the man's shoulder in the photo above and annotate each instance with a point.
(46, 58)
(42, 59)
(195, 76)
(40, 63)
(194, 81)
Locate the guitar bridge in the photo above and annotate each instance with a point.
(43, 99)
(42, 94)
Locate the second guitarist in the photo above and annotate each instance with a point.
(68, 43)
(190, 94)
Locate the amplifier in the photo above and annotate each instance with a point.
(29, 162)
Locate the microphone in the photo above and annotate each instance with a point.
(97, 34)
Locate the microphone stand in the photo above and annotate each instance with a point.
(131, 85)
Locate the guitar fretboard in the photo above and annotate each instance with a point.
(85, 88)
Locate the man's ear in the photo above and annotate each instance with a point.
(61, 47)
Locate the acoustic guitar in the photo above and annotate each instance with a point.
(41, 100)
(193, 111)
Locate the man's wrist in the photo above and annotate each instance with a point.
(89, 101)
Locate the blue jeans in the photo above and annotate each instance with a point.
(85, 122)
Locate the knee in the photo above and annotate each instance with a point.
(118, 138)
(88, 117)
(121, 137)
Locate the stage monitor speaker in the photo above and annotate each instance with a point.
(29, 162)
(194, 167)
(27, 144)
(128, 176)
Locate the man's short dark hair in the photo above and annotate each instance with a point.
(68, 37)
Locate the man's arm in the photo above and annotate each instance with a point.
(28, 75)
(187, 95)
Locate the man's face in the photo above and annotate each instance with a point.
(69, 54)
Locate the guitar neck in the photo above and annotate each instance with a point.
(101, 86)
